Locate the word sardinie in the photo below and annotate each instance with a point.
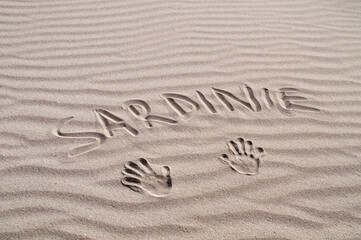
(285, 100)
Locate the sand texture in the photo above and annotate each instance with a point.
(180, 119)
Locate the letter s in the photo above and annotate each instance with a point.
(98, 137)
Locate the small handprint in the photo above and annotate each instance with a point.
(140, 176)
(245, 158)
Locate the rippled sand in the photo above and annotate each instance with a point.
(62, 59)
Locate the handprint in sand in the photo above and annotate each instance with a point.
(245, 158)
(140, 176)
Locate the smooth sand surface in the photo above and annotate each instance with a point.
(62, 59)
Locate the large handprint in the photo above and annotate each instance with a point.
(245, 158)
(139, 176)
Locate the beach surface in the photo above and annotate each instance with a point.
(180, 119)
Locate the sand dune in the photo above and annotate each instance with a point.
(62, 59)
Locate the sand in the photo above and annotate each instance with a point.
(185, 86)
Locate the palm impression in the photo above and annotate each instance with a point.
(245, 158)
(140, 176)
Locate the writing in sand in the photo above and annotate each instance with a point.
(284, 100)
